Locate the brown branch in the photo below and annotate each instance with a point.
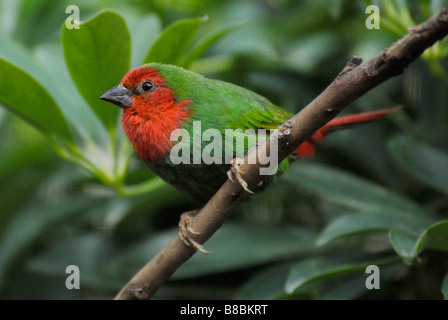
(354, 81)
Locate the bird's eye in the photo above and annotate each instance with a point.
(147, 86)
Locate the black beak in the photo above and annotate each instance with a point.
(118, 95)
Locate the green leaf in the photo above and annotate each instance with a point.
(8, 9)
(144, 32)
(408, 247)
(445, 287)
(354, 285)
(242, 246)
(174, 41)
(309, 53)
(204, 45)
(233, 247)
(42, 17)
(25, 227)
(348, 190)
(320, 268)
(19, 153)
(404, 245)
(374, 221)
(255, 40)
(345, 287)
(27, 98)
(426, 163)
(267, 284)
(90, 252)
(98, 56)
(434, 238)
(82, 120)
(46, 64)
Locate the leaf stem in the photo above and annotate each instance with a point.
(139, 189)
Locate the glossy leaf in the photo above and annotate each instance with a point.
(98, 56)
(348, 190)
(145, 31)
(404, 245)
(242, 246)
(267, 284)
(374, 221)
(236, 246)
(91, 253)
(31, 15)
(353, 286)
(320, 268)
(82, 119)
(434, 238)
(27, 98)
(204, 45)
(426, 163)
(174, 41)
(25, 227)
(48, 67)
(17, 182)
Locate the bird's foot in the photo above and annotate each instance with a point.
(186, 231)
(235, 172)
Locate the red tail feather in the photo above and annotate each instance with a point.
(306, 149)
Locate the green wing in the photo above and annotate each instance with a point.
(237, 108)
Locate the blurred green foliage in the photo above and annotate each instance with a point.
(373, 195)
